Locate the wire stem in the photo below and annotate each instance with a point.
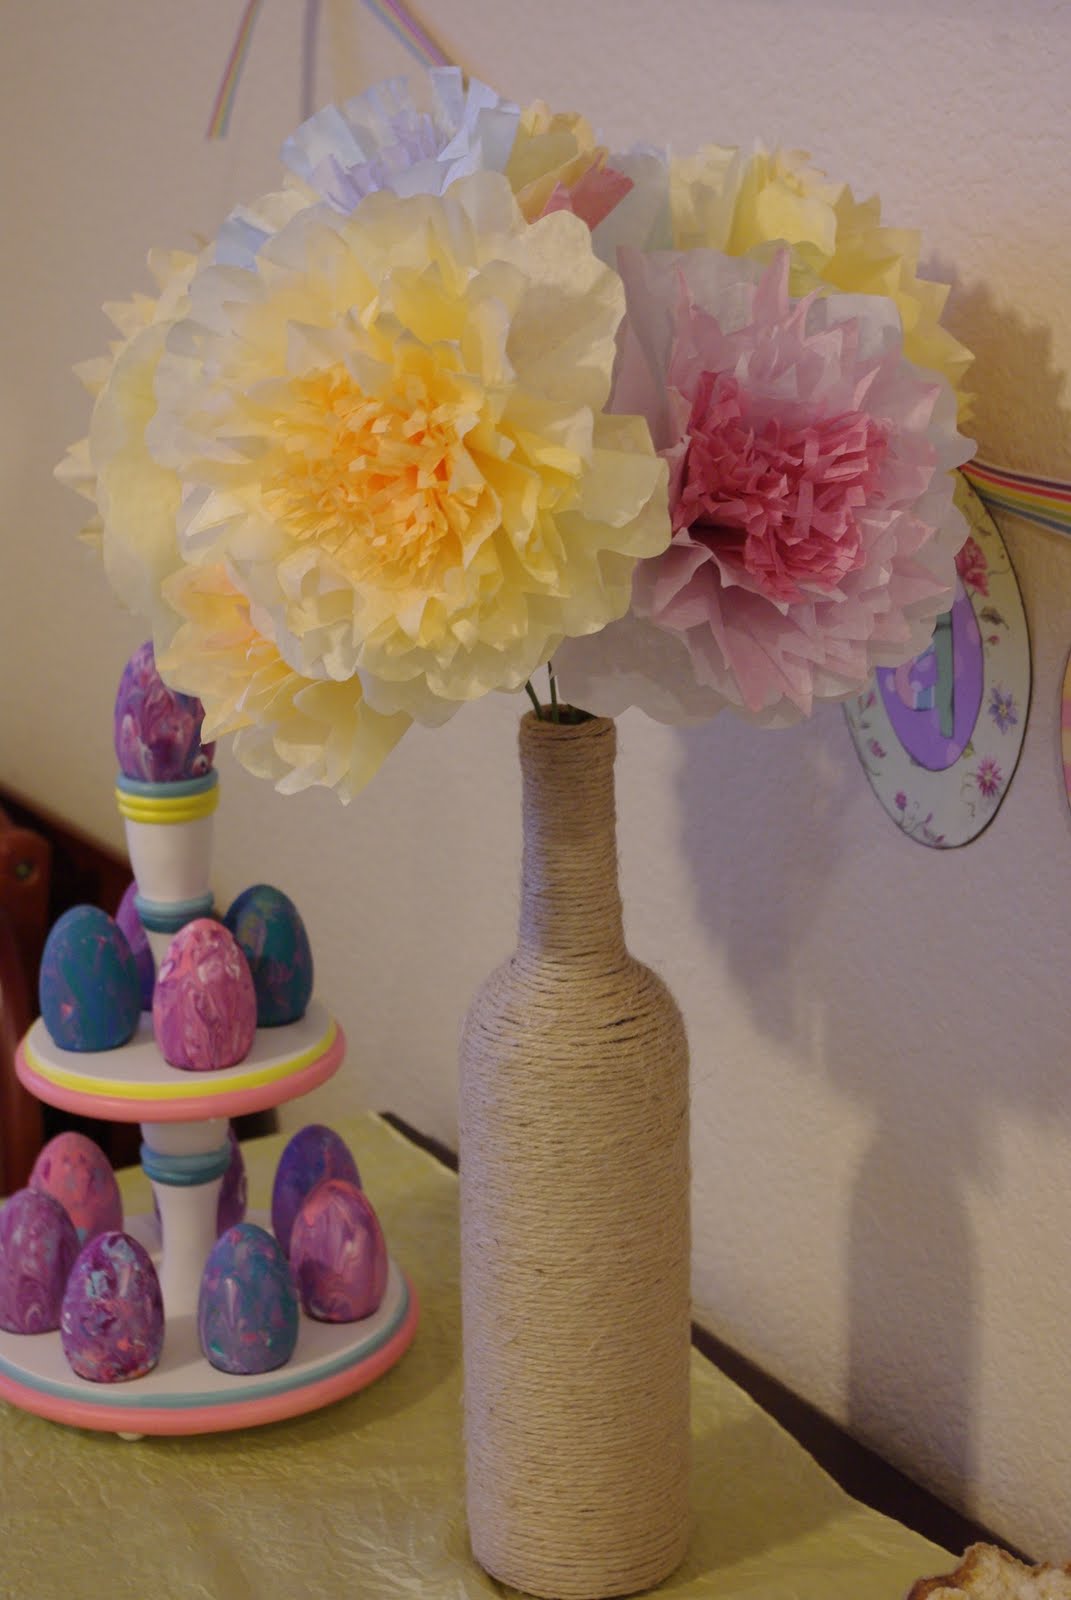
(552, 680)
(530, 692)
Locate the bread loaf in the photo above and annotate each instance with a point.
(987, 1573)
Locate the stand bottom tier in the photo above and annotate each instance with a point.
(184, 1394)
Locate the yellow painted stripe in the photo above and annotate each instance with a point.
(199, 1084)
(180, 808)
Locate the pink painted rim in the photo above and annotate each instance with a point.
(158, 1420)
(121, 1109)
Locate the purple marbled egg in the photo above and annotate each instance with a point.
(338, 1254)
(247, 1311)
(157, 730)
(77, 1173)
(268, 926)
(38, 1246)
(204, 1009)
(112, 1322)
(88, 986)
(313, 1154)
(233, 1194)
(129, 924)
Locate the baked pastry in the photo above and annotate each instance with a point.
(989, 1573)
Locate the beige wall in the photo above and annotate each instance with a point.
(882, 1080)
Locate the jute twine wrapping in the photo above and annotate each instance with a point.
(574, 1215)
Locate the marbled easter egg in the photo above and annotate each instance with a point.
(338, 1254)
(38, 1246)
(247, 1311)
(77, 1173)
(269, 929)
(204, 1008)
(157, 730)
(88, 989)
(112, 1321)
(129, 924)
(313, 1154)
(233, 1194)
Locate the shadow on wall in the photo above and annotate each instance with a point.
(866, 954)
(1013, 357)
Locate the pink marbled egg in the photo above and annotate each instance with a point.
(338, 1254)
(204, 1009)
(38, 1247)
(77, 1173)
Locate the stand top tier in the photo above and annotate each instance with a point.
(135, 1083)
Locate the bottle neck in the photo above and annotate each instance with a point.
(570, 902)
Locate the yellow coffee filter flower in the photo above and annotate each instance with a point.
(391, 430)
(551, 148)
(137, 499)
(293, 730)
(742, 205)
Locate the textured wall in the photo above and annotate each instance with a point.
(881, 1084)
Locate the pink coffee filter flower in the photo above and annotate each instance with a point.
(814, 535)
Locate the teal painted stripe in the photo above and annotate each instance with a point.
(168, 791)
(185, 1172)
(251, 1388)
(160, 916)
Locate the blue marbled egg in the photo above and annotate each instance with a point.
(89, 990)
(247, 1311)
(270, 932)
(313, 1154)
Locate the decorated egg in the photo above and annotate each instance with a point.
(38, 1246)
(129, 924)
(313, 1154)
(268, 926)
(76, 1172)
(338, 1254)
(247, 1311)
(204, 1009)
(112, 1321)
(89, 991)
(233, 1193)
(157, 730)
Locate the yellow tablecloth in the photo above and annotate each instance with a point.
(364, 1500)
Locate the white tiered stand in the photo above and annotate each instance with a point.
(184, 1120)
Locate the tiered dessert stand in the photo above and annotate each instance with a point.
(185, 1151)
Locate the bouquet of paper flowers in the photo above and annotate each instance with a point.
(470, 393)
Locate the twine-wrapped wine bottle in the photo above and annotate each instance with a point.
(574, 1214)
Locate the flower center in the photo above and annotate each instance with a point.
(380, 482)
(775, 502)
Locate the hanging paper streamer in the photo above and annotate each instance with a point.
(228, 88)
(393, 14)
(408, 31)
(1046, 501)
(940, 737)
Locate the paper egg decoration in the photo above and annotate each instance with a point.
(112, 1321)
(77, 1173)
(204, 1009)
(338, 1254)
(234, 1190)
(89, 991)
(157, 730)
(129, 924)
(38, 1247)
(247, 1311)
(313, 1154)
(269, 929)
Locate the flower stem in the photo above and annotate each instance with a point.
(530, 692)
(552, 680)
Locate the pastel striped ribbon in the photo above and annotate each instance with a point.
(393, 14)
(1045, 501)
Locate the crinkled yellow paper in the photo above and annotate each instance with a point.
(364, 1500)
